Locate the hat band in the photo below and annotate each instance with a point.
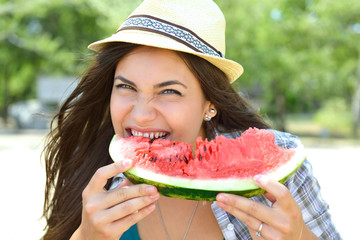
(174, 31)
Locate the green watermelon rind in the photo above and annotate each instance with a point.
(206, 190)
(188, 193)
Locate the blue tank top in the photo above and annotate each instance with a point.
(132, 234)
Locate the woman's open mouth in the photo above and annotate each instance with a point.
(151, 135)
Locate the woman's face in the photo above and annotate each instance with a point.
(156, 95)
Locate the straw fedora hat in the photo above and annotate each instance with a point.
(192, 26)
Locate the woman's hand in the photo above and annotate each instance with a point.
(283, 220)
(108, 214)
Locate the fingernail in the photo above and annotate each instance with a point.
(150, 190)
(221, 205)
(221, 198)
(155, 196)
(126, 162)
(258, 178)
(261, 179)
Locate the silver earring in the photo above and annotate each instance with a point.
(207, 118)
(212, 110)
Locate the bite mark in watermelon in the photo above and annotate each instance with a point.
(220, 165)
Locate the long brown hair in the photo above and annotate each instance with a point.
(81, 132)
(234, 113)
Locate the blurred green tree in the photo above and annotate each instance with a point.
(50, 37)
(296, 53)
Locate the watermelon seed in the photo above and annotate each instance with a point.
(204, 148)
(151, 159)
(200, 157)
(185, 159)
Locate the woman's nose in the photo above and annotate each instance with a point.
(143, 111)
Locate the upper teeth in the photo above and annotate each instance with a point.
(148, 134)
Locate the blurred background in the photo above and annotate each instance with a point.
(302, 71)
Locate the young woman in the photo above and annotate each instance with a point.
(164, 74)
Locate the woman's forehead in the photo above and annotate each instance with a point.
(153, 62)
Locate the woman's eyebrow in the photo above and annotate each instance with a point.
(125, 80)
(159, 85)
(170, 82)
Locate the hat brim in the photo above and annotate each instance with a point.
(232, 69)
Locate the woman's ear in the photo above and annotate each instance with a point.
(211, 112)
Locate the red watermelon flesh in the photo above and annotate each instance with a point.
(253, 153)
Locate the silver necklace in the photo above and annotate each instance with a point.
(163, 223)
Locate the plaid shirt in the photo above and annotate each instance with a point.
(304, 188)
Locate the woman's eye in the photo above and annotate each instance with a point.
(171, 91)
(125, 86)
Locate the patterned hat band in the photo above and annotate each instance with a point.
(176, 32)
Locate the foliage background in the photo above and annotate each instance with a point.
(301, 57)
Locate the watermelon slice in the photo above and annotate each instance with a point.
(220, 165)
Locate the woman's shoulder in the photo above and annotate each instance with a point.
(286, 139)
